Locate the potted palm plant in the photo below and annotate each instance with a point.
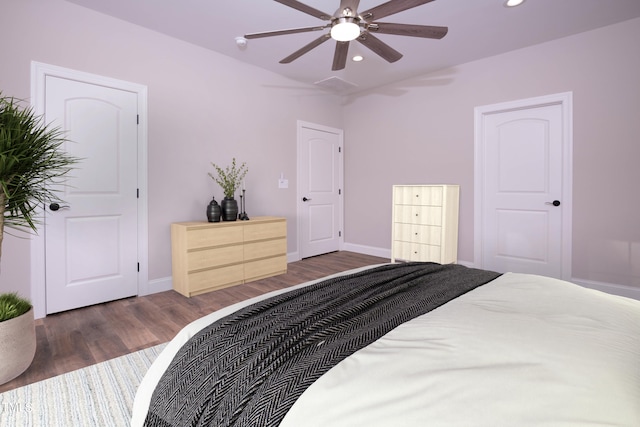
(229, 179)
(17, 336)
(32, 157)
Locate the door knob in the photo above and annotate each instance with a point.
(55, 206)
(554, 203)
(304, 199)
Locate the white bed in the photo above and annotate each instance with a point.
(521, 350)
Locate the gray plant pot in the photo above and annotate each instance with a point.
(17, 346)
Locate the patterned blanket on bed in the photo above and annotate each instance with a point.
(248, 368)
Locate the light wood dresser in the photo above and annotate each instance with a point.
(212, 255)
(425, 223)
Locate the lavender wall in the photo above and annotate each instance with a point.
(422, 131)
(203, 107)
(207, 107)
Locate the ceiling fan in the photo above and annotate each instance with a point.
(348, 24)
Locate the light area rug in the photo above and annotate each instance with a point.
(98, 395)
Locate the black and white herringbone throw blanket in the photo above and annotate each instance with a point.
(248, 368)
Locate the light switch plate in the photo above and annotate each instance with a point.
(283, 183)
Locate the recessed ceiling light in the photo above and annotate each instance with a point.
(513, 3)
(357, 58)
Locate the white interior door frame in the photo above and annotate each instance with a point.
(565, 100)
(299, 191)
(39, 73)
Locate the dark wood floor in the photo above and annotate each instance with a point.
(77, 338)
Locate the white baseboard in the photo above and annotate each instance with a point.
(159, 285)
(293, 256)
(367, 250)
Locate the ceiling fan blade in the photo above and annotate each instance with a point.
(351, 4)
(283, 32)
(298, 53)
(379, 47)
(426, 31)
(340, 56)
(391, 7)
(306, 9)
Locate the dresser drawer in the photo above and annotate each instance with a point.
(426, 234)
(266, 230)
(254, 270)
(208, 237)
(214, 257)
(217, 278)
(418, 195)
(264, 249)
(424, 215)
(416, 252)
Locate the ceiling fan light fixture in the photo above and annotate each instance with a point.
(345, 29)
(513, 3)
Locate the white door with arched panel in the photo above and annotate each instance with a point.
(319, 189)
(523, 186)
(91, 241)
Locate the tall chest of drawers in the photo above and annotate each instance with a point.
(425, 223)
(212, 255)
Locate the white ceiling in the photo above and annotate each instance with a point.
(477, 29)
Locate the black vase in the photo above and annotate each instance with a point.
(213, 211)
(229, 209)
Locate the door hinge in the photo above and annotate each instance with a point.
(138, 267)
(137, 193)
(339, 149)
(137, 119)
(339, 191)
(339, 233)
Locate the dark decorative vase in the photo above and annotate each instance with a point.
(213, 211)
(229, 209)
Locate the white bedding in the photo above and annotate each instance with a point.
(521, 350)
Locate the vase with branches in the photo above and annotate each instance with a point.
(229, 179)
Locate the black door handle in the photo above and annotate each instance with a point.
(554, 203)
(55, 206)
(304, 199)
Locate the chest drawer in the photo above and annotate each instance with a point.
(425, 215)
(408, 251)
(418, 195)
(426, 234)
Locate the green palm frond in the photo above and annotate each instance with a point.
(12, 306)
(32, 157)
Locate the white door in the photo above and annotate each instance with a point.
(523, 190)
(91, 240)
(319, 189)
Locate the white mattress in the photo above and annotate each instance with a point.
(521, 350)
